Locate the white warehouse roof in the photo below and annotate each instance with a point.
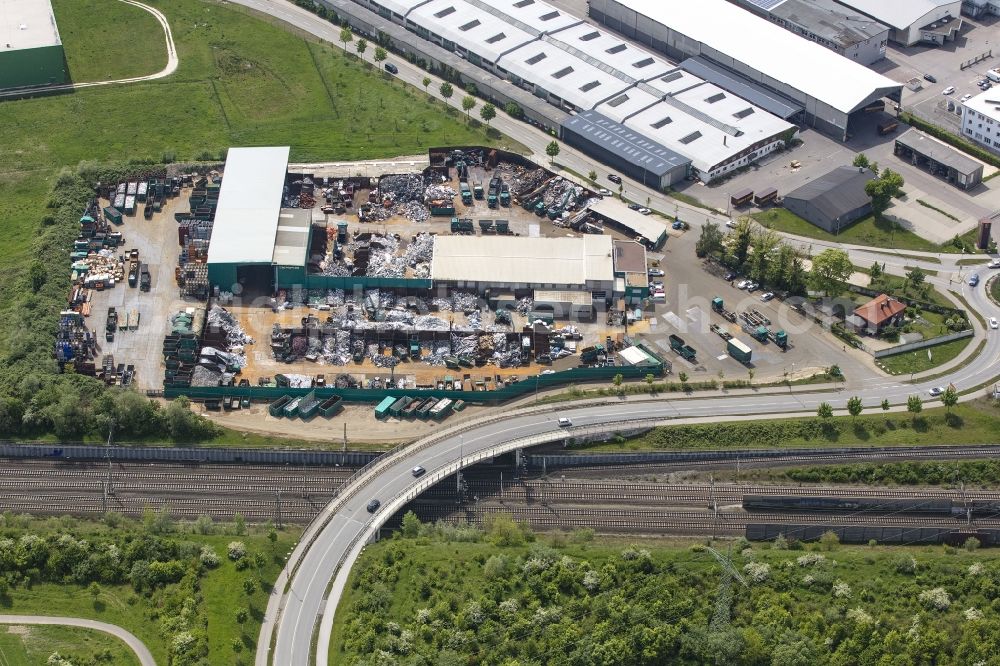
(770, 49)
(523, 260)
(900, 14)
(246, 218)
(27, 24)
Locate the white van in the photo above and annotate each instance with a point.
(564, 422)
(993, 75)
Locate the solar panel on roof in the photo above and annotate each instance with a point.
(587, 87)
(766, 4)
(744, 113)
(444, 12)
(589, 36)
(672, 76)
(562, 72)
(645, 62)
(549, 16)
(717, 97)
(691, 137)
(616, 49)
(470, 25)
(523, 3)
(618, 101)
(496, 38)
(660, 123)
(535, 59)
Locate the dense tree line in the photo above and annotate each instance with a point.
(35, 398)
(970, 472)
(567, 604)
(755, 252)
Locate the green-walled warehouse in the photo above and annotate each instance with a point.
(31, 53)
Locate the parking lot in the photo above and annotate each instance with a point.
(688, 314)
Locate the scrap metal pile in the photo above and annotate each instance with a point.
(399, 195)
(376, 255)
(521, 180)
(220, 319)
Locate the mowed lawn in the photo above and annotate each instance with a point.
(108, 39)
(870, 231)
(31, 645)
(241, 81)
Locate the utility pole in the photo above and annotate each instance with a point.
(277, 509)
(344, 449)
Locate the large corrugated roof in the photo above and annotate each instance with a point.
(27, 24)
(770, 49)
(291, 243)
(648, 227)
(625, 143)
(523, 260)
(938, 151)
(246, 218)
(765, 99)
(837, 192)
(900, 14)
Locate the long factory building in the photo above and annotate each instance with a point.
(257, 247)
(627, 106)
(831, 90)
(31, 52)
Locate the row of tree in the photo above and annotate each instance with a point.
(914, 404)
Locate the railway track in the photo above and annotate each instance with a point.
(651, 521)
(296, 494)
(903, 454)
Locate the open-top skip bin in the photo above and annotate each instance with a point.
(441, 409)
(459, 405)
(331, 406)
(398, 406)
(291, 410)
(276, 408)
(309, 405)
(411, 409)
(382, 410)
(425, 408)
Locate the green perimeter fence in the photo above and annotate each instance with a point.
(509, 392)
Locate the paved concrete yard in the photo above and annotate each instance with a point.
(156, 241)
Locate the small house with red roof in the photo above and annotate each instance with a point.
(875, 315)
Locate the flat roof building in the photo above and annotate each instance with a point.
(649, 231)
(568, 63)
(843, 31)
(914, 21)
(520, 262)
(834, 200)
(940, 159)
(829, 87)
(248, 229)
(981, 120)
(31, 52)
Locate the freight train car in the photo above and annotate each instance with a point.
(918, 505)
(880, 534)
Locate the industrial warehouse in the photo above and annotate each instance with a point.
(481, 259)
(760, 54)
(627, 106)
(31, 52)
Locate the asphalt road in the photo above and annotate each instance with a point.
(137, 646)
(291, 616)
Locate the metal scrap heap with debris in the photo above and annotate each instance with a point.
(377, 255)
(399, 195)
(521, 180)
(219, 318)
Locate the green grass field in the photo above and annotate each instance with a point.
(241, 81)
(109, 40)
(976, 422)
(867, 231)
(918, 361)
(32, 645)
(221, 591)
(573, 599)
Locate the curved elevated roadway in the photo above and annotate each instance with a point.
(331, 544)
(300, 613)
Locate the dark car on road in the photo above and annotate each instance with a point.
(374, 505)
(392, 69)
(930, 78)
(615, 178)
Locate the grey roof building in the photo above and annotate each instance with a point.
(834, 200)
(627, 151)
(845, 31)
(941, 160)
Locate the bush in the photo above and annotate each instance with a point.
(236, 550)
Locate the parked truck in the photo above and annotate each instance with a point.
(466, 193)
(477, 190)
(739, 350)
(145, 280)
(504, 194)
(111, 325)
(686, 351)
(719, 306)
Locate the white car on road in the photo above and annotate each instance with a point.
(993, 323)
(936, 391)
(966, 98)
(994, 263)
(949, 90)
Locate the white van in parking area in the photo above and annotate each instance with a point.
(993, 75)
